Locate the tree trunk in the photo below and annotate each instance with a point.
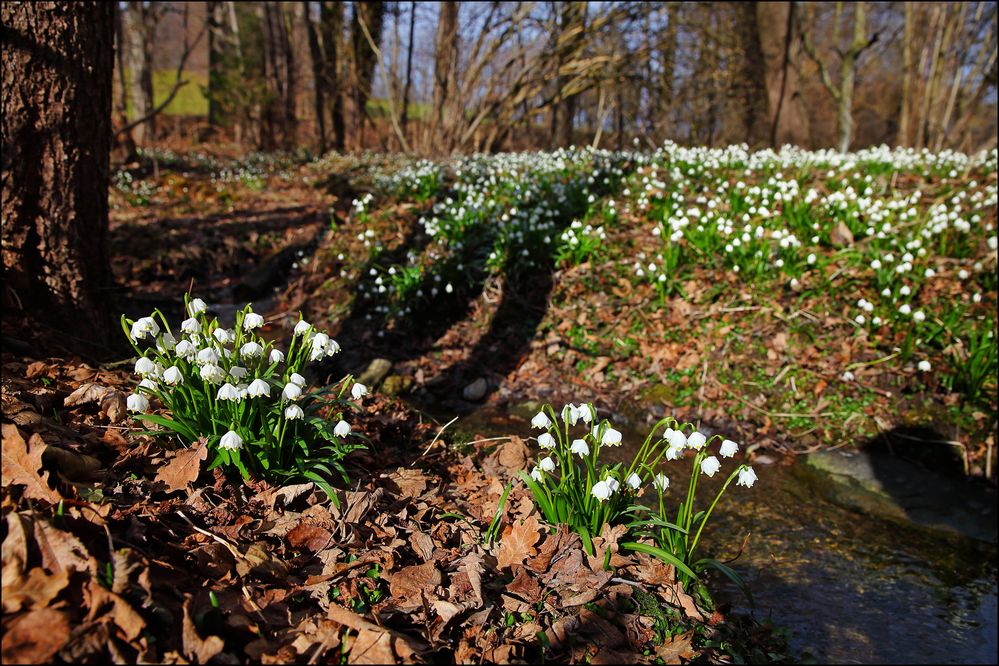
(781, 49)
(331, 23)
(905, 112)
(753, 77)
(141, 22)
(371, 13)
(285, 26)
(409, 67)
(445, 71)
(58, 63)
(315, 51)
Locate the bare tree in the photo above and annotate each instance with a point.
(141, 19)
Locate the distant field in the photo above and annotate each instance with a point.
(190, 99)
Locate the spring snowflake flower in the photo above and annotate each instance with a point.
(190, 326)
(251, 350)
(536, 474)
(258, 388)
(186, 350)
(145, 326)
(634, 481)
(277, 356)
(297, 379)
(918, 316)
(228, 392)
(293, 412)
(148, 384)
(696, 440)
(546, 441)
(223, 335)
(231, 441)
(212, 373)
(580, 448)
(291, 392)
(728, 448)
(541, 420)
(165, 343)
(358, 391)
(747, 477)
(137, 403)
(145, 366)
(547, 464)
(342, 429)
(208, 356)
(570, 414)
(251, 321)
(847, 376)
(660, 482)
(601, 490)
(173, 376)
(302, 327)
(237, 372)
(196, 306)
(710, 465)
(924, 366)
(613, 484)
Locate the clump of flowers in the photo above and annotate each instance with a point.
(247, 399)
(571, 487)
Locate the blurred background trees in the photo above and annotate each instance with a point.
(439, 77)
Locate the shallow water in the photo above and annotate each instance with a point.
(849, 587)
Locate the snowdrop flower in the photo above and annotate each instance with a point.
(580, 448)
(137, 403)
(228, 392)
(358, 391)
(207, 355)
(277, 356)
(251, 321)
(190, 326)
(185, 350)
(977, 298)
(231, 441)
(237, 372)
(251, 350)
(297, 379)
(696, 440)
(291, 392)
(166, 342)
(196, 306)
(710, 465)
(962, 274)
(586, 412)
(547, 464)
(924, 366)
(541, 420)
(342, 429)
(143, 327)
(259, 388)
(172, 376)
(660, 482)
(212, 373)
(601, 490)
(546, 441)
(145, 366)
(634, 481)
(293, 412)
(611, 437)
(728, 448)
(747, 477)
(302, 327)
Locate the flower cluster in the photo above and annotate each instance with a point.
(248, 399)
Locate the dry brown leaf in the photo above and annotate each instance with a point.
(409, 583)
(412, 482)
(371, 647)
(404, 645)
(112, 401)
(37, 590)
(184, 468)
(14, 550)
(422, 544)
(841, 235)
(513, 454)
(22, 465)
(196, 648)
(471, 564)
(677, 650)
(72, 465)
(310, 537)
(517, 542)
(35, 637)
(122, 614)
(61, 550)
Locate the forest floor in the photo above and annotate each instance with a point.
(116, 548)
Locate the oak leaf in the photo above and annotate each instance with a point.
(22, 465)
(517, 542)
(184, 468)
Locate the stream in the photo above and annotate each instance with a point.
(849, 586)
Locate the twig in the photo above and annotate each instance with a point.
(439, 433)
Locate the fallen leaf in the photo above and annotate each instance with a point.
(122, 614)
(112, 401)
(841, 235)
(22, 465)
(408, 584)
(37, 590)
(404, 646)
(184, 468)
(61, 550)
(371, 647)
(196, 648)
(35, 637)
(677, 650)
(310, 537)
(517, 542)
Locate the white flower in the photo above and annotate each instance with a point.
(173, 376)
(148, 384)
(207, 355)
(302, 327)
(137, 403)
(580, 448)
(185, 350)
(924, 366)
(536, 474)
(847, 376)
(918, 316)
(196, 306)
(710, 465)
(251, 350)
(677, 439)
(541, 420)
(292, 412)
(634, 481)
(212, 373)
(231, 440)
(143, 327)
(747, 477)
(223, 335)
(601, 490)
(291, 392)
(904, 308)
(258, 388)
(237, 372)
(674, 452)
(166, 342)
(613, 484)
(569, 414)
(660, 482)
(358, 391)
(611, 437)
(696, 440)
(547, 464)
(251, 321)
(297, 379)
(342, 429)
(190, 326)
(145, 366)
(546, 441)
(228, 392)
(586, 412)
(277, 356)
(728, 448)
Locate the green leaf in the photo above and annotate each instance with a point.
(667, 557)
(539, 497)
(180, 428)
(728, 571)
(326, 487)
